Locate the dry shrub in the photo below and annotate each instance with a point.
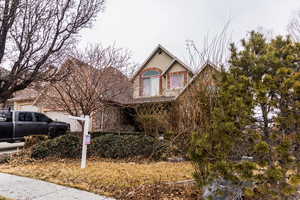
(4, 198)
(21, 157)
(154, 117)
(34, 139)
(162, 191)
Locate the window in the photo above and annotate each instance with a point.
(151, 83)
(25, 117)
(41, 117)
(177, 80)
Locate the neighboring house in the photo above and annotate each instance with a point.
(25, 100)
(107, 83)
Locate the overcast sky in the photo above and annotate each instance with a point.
(140, 25)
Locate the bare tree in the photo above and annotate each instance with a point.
(34, 34)
(215, 50)
(96, 81)
(294, 27)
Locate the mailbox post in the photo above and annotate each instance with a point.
(85, 140)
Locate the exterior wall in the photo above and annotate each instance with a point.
(176, 68)
(25, 106)
(112, 118)
(160, 61)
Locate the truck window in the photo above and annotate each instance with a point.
(25, 117)
(5, 117)
(41, 117)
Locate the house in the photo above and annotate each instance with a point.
(162, 79)
(163, 83)
(23, 100)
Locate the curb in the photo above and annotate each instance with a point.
(11, 148)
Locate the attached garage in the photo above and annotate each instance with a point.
(30, 108)
(63, 117)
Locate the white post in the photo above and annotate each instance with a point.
(84, 145)
(86, 120)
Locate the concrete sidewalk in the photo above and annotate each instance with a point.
(21, 188)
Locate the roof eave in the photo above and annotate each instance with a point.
(196, 75)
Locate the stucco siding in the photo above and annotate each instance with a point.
(136, 86)
(160, 61)
(25, 106)
(177, 68)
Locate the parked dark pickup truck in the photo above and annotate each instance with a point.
(15, 125)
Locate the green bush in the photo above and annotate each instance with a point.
(125, 146)
(66, 146)
(123, 133)
(104, 146)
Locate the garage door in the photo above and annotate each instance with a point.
(58, 116)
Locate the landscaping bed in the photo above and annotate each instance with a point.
(114, 178)
(120, 166)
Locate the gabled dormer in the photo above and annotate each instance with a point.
(161, 75)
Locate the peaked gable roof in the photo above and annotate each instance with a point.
(77, 67)
(28, 94)
(174, 98)
(157, 49)
(207, 64)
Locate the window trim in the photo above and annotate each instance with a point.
(170, 85)
(142, 78)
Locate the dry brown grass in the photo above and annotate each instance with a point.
(4, 198)
(111, 178)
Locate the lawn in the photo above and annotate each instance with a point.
(105, 177)
(4, 198)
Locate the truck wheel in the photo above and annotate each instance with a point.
(60, 133)
(51, 134)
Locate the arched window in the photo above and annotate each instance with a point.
(151, 82)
